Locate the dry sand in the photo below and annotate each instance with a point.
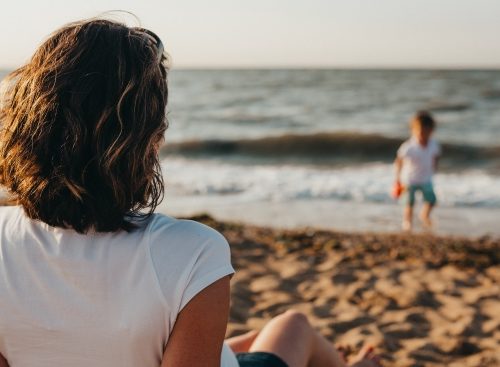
(421, 300)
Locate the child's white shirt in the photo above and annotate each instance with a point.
(418, 160)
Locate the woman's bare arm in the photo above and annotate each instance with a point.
(198, 334)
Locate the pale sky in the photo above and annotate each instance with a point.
(282, 33)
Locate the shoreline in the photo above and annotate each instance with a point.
(422, 300)
(334, 215)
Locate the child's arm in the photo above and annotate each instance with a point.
(436, 155)
(398, 167)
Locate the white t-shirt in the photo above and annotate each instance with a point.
(418, 166)
(105, 299)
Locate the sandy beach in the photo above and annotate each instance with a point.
(421, 300)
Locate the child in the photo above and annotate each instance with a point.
(419, 155)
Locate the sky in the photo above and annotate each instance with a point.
(281, 33)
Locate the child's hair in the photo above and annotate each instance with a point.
(81, 124)
(424, 119)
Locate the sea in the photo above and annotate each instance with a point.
(314, 148)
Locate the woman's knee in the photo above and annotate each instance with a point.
(295, 319)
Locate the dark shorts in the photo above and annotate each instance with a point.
(259, 359)
(427, 191)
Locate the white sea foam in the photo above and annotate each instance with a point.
(367, 183)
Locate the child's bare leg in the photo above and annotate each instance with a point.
(408, 218)
(425, 214)
(242, 343)
(292, 338)
(429, 202)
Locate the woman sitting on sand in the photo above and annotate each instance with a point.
(88, 275)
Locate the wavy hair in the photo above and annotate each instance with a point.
(81, 124)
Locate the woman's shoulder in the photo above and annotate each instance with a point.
(7, 210)
(184, 235)
(10, 213)
(162, 224)
(186, 256)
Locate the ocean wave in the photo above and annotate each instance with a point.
(370, 183)
(327, 148)
(491, 94)
(447, 106)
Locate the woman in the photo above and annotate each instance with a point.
(88, 275)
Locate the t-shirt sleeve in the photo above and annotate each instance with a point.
(187, 257)
(213, 262)
(437, 149)
(403, 150)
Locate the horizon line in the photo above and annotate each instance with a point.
(339, 67)
(326, 67)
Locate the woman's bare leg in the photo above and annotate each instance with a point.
(241, 343)
(291, 337)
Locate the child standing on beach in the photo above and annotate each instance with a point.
(419, 157)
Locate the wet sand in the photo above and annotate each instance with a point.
(421, 300)
(345, 216)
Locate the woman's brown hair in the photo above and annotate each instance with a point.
(81, 124)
